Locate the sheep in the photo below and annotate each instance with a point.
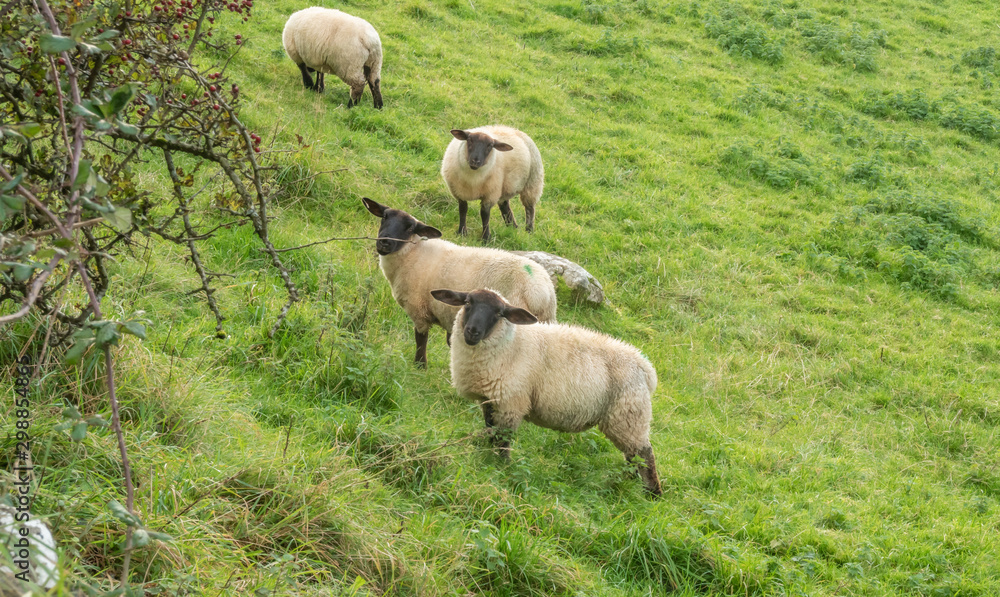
(556, 376)
(415, 265)
(326, 40)
(473, 171)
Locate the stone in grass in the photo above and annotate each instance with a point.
(577, 278)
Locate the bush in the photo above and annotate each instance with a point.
(739, 36)
(981, 57)
(836, 46)
(919, 241)
(978, 122)
(786, 168)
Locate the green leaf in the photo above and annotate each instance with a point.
(86, 178)
(23, 271)
(79, 432)
(63, 426)
(127, 128)
(10, 184)
(140, 538)
(63, 243)
(108, 334)
(29, 129)
(120, 98)
(135, 328)
(14, 202)
(102, 186)
(97, 421)
(71, 412)
(80, 27)
(119, 512)
(120, 219)
(81, 110)
(159, 536)
(75, 353)
(54, 44)
(89, 49)
(110, 33)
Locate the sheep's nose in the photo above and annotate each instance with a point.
(474, 166)
(472, 336)
(382, 245)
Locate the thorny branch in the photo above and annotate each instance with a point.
(88, 89)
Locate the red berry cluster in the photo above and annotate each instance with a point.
(256, 142)
(241, 8)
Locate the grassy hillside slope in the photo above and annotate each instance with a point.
(793, 208)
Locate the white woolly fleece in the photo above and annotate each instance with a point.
(426, 265)
(334, 42)
(560, 377)
(505, 173)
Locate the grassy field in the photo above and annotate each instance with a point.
(793, 208)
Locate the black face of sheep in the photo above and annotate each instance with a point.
(479, 145)
(397, 227)
(483, 309)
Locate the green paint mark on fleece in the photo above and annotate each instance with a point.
(527, 268)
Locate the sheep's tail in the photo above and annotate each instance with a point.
(651, 380)
(536, 176)
(373, 66)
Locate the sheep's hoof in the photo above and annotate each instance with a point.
(463, 231)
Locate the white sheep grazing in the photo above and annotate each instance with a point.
(475, 172)
(326, 40)
(415, 261)
(556, 376)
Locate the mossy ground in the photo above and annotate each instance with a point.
(793, 209)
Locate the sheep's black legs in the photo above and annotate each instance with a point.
(376, 93)
(529, 216)
(484, 213)
(306, 79)
(320, 82)
(421, 358)
(356, 93)
(499, 436)
(508, 215)
(448, 338)
(647, 470)
(463, 210)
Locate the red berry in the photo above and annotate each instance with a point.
(177, 36)
(38, 93)
(127, 42)
(184, 96)
(238, 36)
(206, 94)
(215, 106)
(128, 13)
(211, 87)
(62, 62)
(210, 34)
(156, 8)
(256, 149)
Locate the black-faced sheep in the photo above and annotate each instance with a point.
(326, 40)
(492, 164)
(415, 261)
(556, 376)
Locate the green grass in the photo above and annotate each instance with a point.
(793, 208)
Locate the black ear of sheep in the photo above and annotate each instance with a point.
(519, 316)
(374, 207)
(460, 134)
(450, 297)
